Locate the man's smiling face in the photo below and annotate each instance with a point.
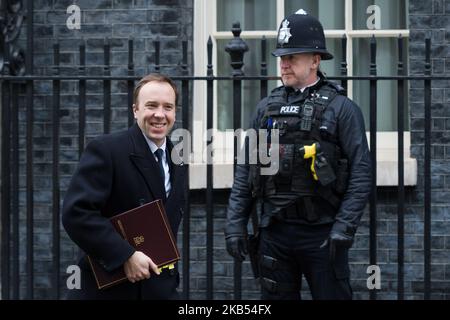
(154, 110)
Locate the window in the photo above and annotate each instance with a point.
(339, 18)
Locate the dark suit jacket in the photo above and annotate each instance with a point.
(117, 172)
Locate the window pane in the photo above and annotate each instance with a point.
(393, 13)
(251, 89)
(387, 60)
(333, 67)
(329, 12)
(252, 14)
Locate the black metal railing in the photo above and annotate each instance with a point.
(11, 86)
(373, 153)
(401, 175)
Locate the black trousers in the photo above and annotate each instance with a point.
(289, 251)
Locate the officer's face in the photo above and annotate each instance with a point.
(155, 110)
(299, 70)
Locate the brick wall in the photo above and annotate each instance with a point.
(430, 20)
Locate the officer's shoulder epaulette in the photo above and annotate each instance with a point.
(278, 90)
(339, 89)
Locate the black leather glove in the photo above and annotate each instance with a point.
(237, 247)
(337, 239)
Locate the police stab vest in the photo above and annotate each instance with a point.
(303, 122)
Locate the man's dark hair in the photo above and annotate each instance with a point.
(154, 77)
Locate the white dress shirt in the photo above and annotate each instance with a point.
(312, 84)
(153, 148)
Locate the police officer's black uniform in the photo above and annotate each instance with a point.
(308, 217)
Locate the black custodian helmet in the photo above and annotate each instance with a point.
(301, 32)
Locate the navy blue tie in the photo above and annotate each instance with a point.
(159, 154)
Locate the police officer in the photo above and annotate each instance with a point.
(311, 207)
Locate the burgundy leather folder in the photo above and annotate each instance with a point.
(148, 230)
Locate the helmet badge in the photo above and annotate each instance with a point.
(285, 33)
(302, 12)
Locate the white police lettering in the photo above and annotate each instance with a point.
(289, 109)
(302, 12)
(285, 33)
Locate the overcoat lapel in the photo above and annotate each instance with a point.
(146, 163)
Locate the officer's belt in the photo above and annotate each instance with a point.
(328, 195)
(303, 208)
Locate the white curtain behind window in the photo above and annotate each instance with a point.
(387, 59)
(251, 89)
(331, 13)
(393, 16)
(261, 15)
(252, 14)
(393, 13)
